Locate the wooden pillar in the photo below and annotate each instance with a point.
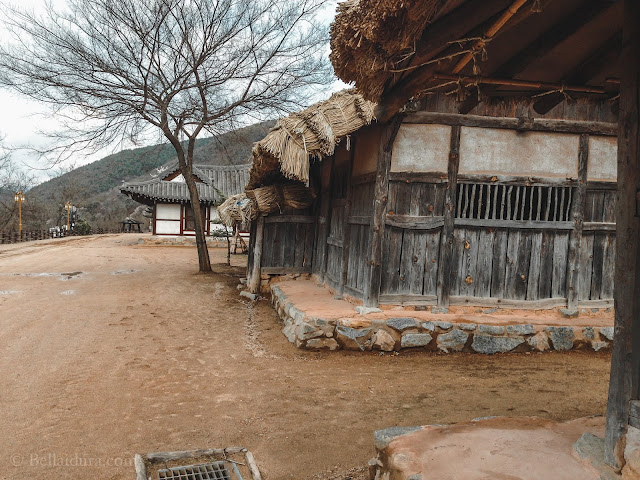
(322, 224)
(575, 239)
(346, 237)
(380, 197)
(254, 278)
(446, 236)
(623, 381)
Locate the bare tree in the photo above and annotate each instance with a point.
(12, 179)
(114, 71)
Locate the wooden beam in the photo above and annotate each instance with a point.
(381, 192)
(254, 278)
(446, 237)
(414, 222)
(520, 124)
(322, 225)
(567, 26)
(583, 72)
(623, 380)
(290, 219)
(577, 215)
(346, 228)
(450, 28)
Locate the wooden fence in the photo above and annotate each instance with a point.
(15, 237)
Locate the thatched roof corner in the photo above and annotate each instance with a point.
(311, 133)
(370, 37)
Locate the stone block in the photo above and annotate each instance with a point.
(306, 331)
(469, 327)
(444, 325)
(410, 340)
(607, 332)
(401, 323)
(428, 326)
(383, 340)
(453, 341)
(289, 331)
(566, 313)
(364, 310)
(597, 346)
(526, 329)
(322, 344)
(561, 337)
(297, 315)
(632, 454)
(354, 339)
(382, 438)
(589, 333)
(489, 344)
(491, 329)
(539, 342)
(251, 296)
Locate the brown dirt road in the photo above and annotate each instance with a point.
(137, 353)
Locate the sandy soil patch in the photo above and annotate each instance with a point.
(162, 358)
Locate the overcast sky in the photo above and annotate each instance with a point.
(22, 119)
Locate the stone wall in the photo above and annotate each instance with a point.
(400, 333)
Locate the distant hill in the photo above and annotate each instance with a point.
(94, 188)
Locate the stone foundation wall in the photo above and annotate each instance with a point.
(400, 333)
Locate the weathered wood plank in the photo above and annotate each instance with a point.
(299, 244)
(446, 237)
(546, 265)
(408, 299)
(560, 252)
(254, 278)
(574, 265)
(511, 271)
(285, 270)
(533, 279)
(544, 303)
(522, 269)
(468, 278)
(432, 249)
(608, 269)
(346, 228)
(533, 124)
(513, 224)
(599, 246)
(586, 266)
(414, 222)
(383, 165)
(418, 177)
(290, 219)
(484, 267)
(499, 265)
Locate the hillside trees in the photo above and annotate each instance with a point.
(120, 70)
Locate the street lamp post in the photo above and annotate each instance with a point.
(68, 207)
(19, 198)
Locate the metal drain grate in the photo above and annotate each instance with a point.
(206, 471)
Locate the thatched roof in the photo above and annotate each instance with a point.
(394, 50)
(370, 37)
(312, 133)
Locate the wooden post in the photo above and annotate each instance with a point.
(324, 217)
(577, 213)
(380, 197)
(623, 381)
(254, 279)
(346, 228)
(446, 237)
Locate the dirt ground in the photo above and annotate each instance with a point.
(110, 348)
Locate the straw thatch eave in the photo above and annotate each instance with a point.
(313, 133)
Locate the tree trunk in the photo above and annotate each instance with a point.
(201, 242)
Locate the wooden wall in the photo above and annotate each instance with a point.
(513, 240)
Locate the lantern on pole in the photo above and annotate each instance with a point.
(19, 198)
(68, 207)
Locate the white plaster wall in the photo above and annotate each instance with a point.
(178, 179)
(164, 227)
(168, 211)
(603, 159)
(366, 150)
(421, 148)
(507, 152)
